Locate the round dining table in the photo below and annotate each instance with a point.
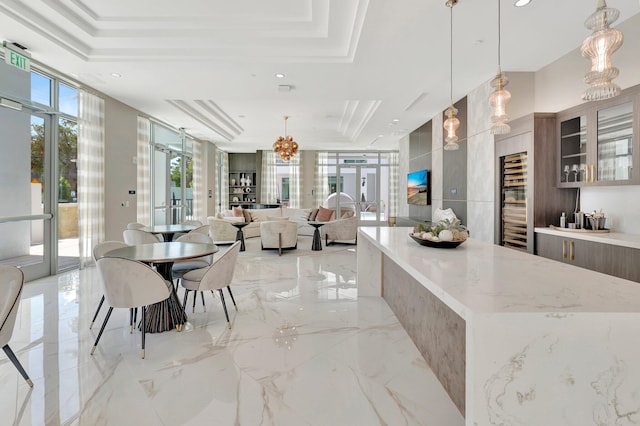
(169, 313)
(168, 231)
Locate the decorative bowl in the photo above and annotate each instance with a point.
(436, 244)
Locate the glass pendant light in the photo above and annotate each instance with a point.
(452, 123)
(500, 96)
(599, 47)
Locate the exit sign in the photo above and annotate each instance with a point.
(16, 57)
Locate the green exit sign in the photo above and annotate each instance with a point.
(15, 58)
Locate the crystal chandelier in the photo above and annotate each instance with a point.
(500, 96)
(285, 146)
(452, 123)
(599, 47)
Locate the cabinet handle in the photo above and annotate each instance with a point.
(571, 250)
(564, 249)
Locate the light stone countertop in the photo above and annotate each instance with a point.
(481, 278)
(615, 238)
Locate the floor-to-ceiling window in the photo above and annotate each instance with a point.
(39, 137)
(172, 175)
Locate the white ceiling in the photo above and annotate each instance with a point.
(353, 65)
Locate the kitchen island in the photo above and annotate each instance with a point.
(515, 339)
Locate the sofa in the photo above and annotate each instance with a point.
(222, 230)
(341, 229)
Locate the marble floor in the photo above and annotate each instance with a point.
(303, 350)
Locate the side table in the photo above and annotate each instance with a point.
(317, 241)
(240, 234)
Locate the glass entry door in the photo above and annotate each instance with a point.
(26, 220)
(361, 192)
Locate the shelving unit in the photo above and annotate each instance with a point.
(242, 187)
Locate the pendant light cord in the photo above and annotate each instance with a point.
(451, 55)
(499, 40)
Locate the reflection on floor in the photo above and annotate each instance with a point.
(303, 350)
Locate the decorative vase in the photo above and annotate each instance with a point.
(248, 181)
(243, 181)
(233, 182)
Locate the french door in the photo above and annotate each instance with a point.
(361, 184)
(27, 223)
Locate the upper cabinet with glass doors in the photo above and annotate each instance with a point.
(599, 142)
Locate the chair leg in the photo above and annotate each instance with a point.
(232, 299)
(279, 244)
(184, 300)
(144, 318)
(135, 316)
(224, 306)
(204, 307)
(14, 360)
(104, 324)
(130, 320)
(195, 296)
(97, 310)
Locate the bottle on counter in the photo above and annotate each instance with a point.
(563, 220)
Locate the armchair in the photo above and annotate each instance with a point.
(341, 230)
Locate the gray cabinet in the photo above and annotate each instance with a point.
(609, 259)
(598, 142)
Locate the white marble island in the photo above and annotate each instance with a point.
(515, 339)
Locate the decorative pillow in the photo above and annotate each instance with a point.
(313, 214)
(440, 215)
(325, 215)
(247, 215)
(237, 212)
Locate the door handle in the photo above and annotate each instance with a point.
(571, 244)
(564, 249)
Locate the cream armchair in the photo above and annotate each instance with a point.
(341, 230)
(221, 231)
(280, 234)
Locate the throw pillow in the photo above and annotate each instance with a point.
(237, 212)
(313, 214)
(347, 214)
(247, 215)
(325, 215)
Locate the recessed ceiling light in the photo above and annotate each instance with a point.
(279, 75)
(381, 136)
(116, 75)
(395, 120)
(520, 3)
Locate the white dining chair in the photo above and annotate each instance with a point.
(196, 223)
(130, 284)
(181, 267)
(135, 237)
(135, 225)
(214, 277)
(98, 251)
(11, 283)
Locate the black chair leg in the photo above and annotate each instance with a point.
(204, 307)
(224, 306)
(135, 316)
(184, 300)
(130, 320)
(232, 299)
(14, 360)
(144, 318)
(97, 310)
(195, 296)
(104, 324)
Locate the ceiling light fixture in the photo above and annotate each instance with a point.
(500, 96)
(452, 123)
(279, 75)
(116, 75)
(285, 146)
(599, 47)
(520, 3)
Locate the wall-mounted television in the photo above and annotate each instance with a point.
(418, 191)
